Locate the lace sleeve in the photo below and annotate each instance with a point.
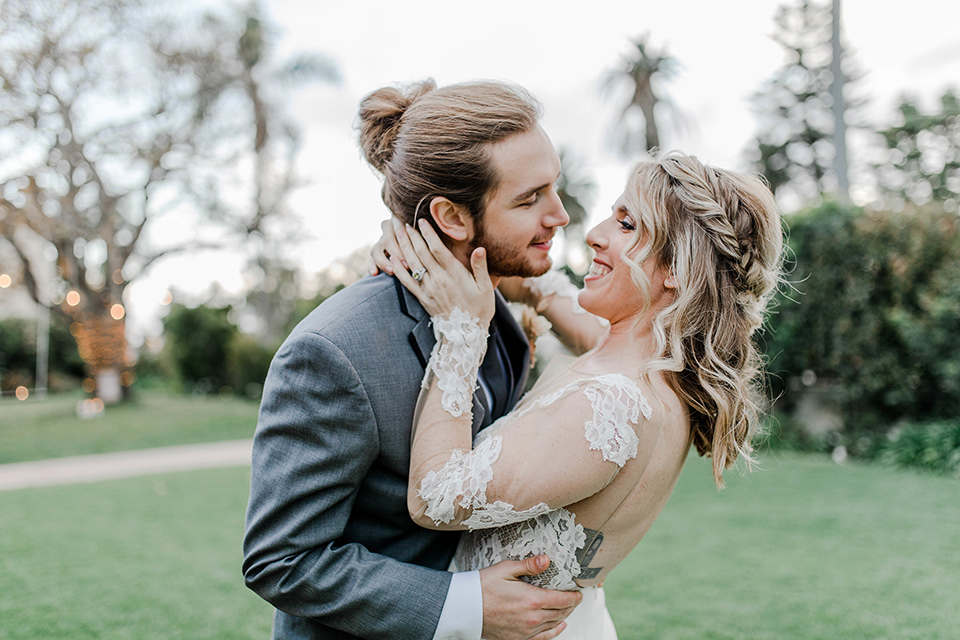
(558, 450)
(455, 359)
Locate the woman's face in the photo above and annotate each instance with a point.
(609, 291)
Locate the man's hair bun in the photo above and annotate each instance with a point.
(380, 115)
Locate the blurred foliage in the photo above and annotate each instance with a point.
(923, 163)
(198, 339)
(206, 353)
(247, 364)
(934, 446)
(873, 318)
(18, 354)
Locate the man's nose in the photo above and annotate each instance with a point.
(558, 216)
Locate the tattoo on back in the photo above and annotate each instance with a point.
(587, 552)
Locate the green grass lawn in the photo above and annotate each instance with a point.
(151, 557)
(802, 549)
(38, 429)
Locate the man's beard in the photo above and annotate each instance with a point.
(504, 260)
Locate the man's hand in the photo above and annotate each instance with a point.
(515, 610)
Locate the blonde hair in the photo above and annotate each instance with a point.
(720, 235)
(431, 142)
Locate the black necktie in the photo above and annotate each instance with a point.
(496, 372)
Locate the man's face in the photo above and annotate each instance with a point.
(524, 211)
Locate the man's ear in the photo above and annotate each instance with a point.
(453, 219)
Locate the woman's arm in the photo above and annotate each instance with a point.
(554, 297)
(557, 452)
(552, 455)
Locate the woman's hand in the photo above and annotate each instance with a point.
(438, 280)
(386, 247)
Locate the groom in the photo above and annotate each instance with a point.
(328, 538)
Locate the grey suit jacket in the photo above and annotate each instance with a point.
(328, 538)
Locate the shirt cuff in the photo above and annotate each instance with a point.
(462, 614)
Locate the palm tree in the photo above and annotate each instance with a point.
(641, 71)
(267, 85)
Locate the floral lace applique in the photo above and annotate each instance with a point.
(617, 404)
(499, 532)
(554, 533)
(461, 482)
(502, 513)
(455, 359)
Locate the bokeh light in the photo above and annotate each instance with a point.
(22, 393)
(117, 312)
(73, 298)
(5, 281)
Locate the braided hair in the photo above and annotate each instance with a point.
(720, 235)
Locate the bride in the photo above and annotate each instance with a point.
(579, 470)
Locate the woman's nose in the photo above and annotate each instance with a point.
(595, 237)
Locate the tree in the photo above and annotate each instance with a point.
(641, 73)
(923, 154)
(795, 147)
(199, 340)
(267, 83)
(126, 115)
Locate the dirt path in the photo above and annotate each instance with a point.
(124, 464)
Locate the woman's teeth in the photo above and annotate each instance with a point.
(598, 270)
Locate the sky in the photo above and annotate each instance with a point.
(559, 50)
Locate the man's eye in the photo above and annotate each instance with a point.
(531, 202)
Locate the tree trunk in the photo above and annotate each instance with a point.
(839, 124)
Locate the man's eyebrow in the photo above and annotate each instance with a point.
(529, 192)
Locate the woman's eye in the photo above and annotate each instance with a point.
(626, 224)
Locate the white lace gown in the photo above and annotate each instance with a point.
(608, 410)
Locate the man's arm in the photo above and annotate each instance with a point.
(316, 439)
